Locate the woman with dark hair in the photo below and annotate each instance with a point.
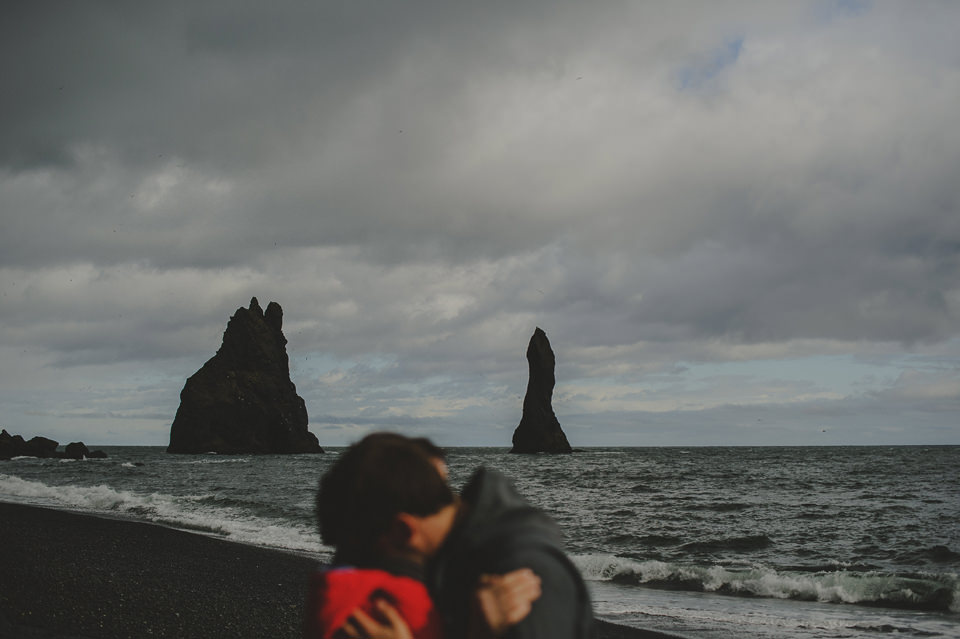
(385, 507)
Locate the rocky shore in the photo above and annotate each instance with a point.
(71, 576)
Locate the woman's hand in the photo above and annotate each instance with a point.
(360, 625)
(503, 601)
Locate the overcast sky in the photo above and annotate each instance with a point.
(738, 223)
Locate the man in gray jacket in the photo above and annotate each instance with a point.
(497, 531)
(491, 530)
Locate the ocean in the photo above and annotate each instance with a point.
(779, 542)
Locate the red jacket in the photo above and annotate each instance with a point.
(336, 592)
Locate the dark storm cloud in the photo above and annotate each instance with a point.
(421, 184)
(225, 83)
(275, 126)
(146, 80)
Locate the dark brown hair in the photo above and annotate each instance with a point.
(373, 480)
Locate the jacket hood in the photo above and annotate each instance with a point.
(498, 531)
(494, 509)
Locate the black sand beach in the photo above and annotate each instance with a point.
(71, 576)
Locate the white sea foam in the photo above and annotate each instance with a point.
(717, 617)
(175, 511)
(938, 592)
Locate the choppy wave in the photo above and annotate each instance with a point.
(933, 592)
(187, 512)
(743, 544)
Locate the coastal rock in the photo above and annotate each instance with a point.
(79, 450)
(242, 400)
(10, 445)
(539, 431)
(15, 446)
(76, 450)
(40, 447)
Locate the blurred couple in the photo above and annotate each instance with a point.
(413, 560)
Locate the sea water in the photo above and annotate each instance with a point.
(707, 542)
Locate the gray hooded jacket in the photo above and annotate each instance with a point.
(500, 532)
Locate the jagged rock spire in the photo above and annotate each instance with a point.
(539, 430)
(242, 400)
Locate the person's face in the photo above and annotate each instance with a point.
(427, 533)
(420, 537)
(433, 529)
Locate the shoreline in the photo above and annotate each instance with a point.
(66, 575)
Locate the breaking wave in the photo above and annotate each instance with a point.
(186, 512)
(914, 591)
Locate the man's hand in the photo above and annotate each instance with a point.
(360, 625)
(503, 601)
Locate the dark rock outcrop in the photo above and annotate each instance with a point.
(15, 446)
(76, 450)
(10, 445)
(40, 447)
(242, 400)
(539, 431)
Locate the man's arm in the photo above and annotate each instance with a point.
(560, 611)
(502, 601)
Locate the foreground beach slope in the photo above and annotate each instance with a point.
(84, 576)
(64, 575)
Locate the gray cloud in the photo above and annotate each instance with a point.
(421, 185)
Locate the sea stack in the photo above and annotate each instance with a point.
(242, 400)
(539, 431)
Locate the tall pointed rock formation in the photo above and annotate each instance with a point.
(539, 431)
(242, 400)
